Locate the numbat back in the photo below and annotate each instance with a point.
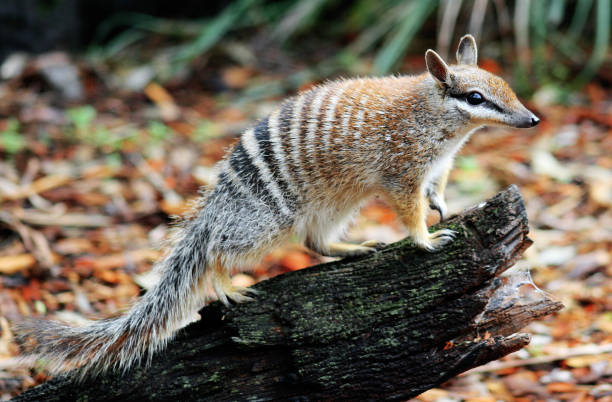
(304, 170)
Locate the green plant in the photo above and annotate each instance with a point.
(205, 130)
(11, 140)
(548, 41)
(158, 131)
(81, 117)
(82, 128)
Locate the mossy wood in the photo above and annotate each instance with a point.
(387, 326)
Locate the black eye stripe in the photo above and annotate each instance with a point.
(487, 103)
(491, 105)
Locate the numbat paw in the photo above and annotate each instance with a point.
(375, 244)
(437, 202)
(436, 240)
(237, 294)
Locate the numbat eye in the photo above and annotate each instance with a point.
(475, 98)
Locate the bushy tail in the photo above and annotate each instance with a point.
(119, 343)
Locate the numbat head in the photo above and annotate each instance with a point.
(475, 95)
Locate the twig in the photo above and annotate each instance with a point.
(586, 350)
(37, 186)
(38, 218)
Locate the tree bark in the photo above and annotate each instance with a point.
(387, 326)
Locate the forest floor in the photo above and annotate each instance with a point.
(87, 195)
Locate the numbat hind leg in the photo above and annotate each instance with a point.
(346, 249)
(224, 289)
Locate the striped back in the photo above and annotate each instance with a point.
(317, 143)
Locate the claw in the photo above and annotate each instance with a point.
(436, 202)
(436, 240)
(444, 233)
(238, 294)
(439, 209)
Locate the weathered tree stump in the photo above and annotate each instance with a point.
(390, 325)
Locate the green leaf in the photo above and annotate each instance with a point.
(11, 140)
(159, 131)
(601, 45)
(212, 32)
(81, 117)
(414, 16)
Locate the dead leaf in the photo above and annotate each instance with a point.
(15, 263)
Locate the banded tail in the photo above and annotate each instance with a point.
(120, 343)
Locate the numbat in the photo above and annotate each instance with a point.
(304, 170)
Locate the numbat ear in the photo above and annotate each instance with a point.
(467, 52)
(437, 68)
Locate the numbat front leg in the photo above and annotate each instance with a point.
(435, 193)
(411, 208)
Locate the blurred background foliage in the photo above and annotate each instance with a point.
(556, 44)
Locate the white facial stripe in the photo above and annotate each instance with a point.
(479, 112)
(252, 148)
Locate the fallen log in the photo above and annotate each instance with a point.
(387, 326)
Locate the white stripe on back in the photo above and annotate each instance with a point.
(330, 116)
(360, 118)
(313, 121)
(252, 148)
(294, 134)
(275, 140)
(346, 118)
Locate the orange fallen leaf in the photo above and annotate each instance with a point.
(295, 260)
(118, 260)
(379, 213)
(73, 245)
(175, 208)
(31, 291)
(38, 186)
(111, 276)
(560, 387)
(11, 264)
(490, 65)
(163, 100)
(481, 399)
(99, 171)
(586, 361)
(236, 77)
